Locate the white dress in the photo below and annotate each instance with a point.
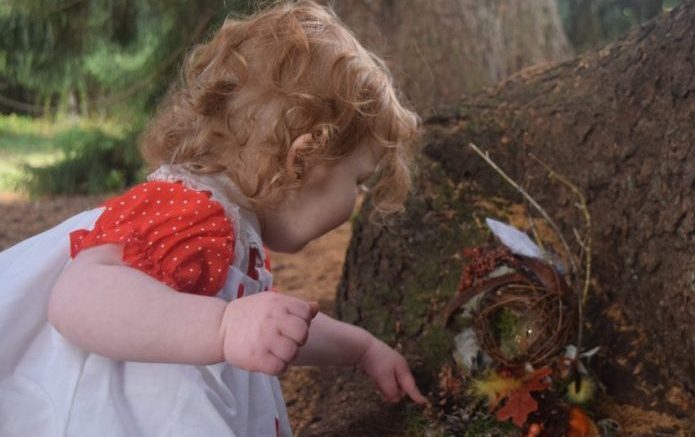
(50, 388)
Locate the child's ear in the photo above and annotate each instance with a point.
(301, 142)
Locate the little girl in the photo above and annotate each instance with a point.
(149, 316)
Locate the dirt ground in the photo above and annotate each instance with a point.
(321, 402)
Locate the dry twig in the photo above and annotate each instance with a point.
(585, 243)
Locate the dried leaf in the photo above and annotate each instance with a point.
(520, 403)
(518, 406)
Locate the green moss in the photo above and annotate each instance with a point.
(414, 310)
(416, 424)
(436, 345)
(489, 426)
(506, 323)
(378, 319)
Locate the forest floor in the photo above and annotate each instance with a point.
(321, 402)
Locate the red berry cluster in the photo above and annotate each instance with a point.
(482, 262)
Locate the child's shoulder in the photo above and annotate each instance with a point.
(170, 231)
(165, 196)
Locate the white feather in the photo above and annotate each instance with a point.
(517, 241)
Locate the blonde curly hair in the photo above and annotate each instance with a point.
(260, 83)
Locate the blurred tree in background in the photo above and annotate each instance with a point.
(91, 57)
(440, 50)
(88, 57)
(96, 62)
(589, 23)
(106, 63)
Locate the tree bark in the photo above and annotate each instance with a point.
(439, 50)
(617, 122)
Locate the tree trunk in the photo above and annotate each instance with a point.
(619, 124)
(441, 49)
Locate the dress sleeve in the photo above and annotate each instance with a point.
(174, 234)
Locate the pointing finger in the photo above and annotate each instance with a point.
(407, 383)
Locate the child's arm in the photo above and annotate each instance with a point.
(332, 342)
(104, 306)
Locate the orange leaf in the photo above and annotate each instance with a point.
(520, 403)
(518, 406)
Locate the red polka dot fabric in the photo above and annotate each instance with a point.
(177, 235)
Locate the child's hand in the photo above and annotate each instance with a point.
(263, 332)
(390, 372)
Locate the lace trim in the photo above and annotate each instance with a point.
(245, 223)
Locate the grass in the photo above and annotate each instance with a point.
(37, 155)
(25, 141)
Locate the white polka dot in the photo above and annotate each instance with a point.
(176, 258)
(159, 188)
(171, 190)
(173, 228)
(171, 202)
(156, 232)
(134, 197)
(121, 216)
(185, 201)
(156, 213)
(122, 202)
(151, 221)
(188, 247)
(147, 200)
(109, 208)
(190, 270)
(197, 201)
(158, 202)
(162, 246)
(145, 190)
